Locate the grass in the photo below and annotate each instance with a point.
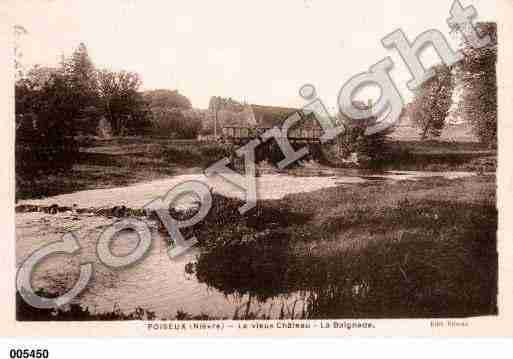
(124, 161)
(437, 156)
(410, 249)
(202, 155)
(73, 312)
(120, 162)
(382, 250)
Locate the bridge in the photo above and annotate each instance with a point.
(241, 134)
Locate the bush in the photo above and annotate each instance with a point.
(173, 122)
(201, 155)
(44, 144)
(45, 126)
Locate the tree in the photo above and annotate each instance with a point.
(121, 101)
(166, 99)
(432, 102)
(224, 107)
(477, 74)
(48, 97)
(175, 122)
(82, 76)
(218, 103)
(172, 114)
(353, 139)
(45, 126)
(48, 102)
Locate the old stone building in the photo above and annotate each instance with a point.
(260, 118)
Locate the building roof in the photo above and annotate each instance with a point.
(270, 116)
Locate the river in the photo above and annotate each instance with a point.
(158, 283)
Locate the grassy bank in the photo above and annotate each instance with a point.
(408, 249)
(422, 248)
(436, 156)
(120, 162)
(124, 161)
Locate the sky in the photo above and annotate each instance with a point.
(260, 52)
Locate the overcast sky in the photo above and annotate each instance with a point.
(258, 51)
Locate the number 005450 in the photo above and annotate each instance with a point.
(28, 353)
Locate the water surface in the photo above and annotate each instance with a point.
(158, 283)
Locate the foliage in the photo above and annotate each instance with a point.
(44, 125)
(354, 139)
(172, 114)
(81, 74)
(173, 122)
(54, 105)
(122, 104)
(205, 117)
(217, 103)
(166, 99)
(477, 72)
(432, 102)
(48, 103)
(40, 75)
(203, 155)
(420, 258)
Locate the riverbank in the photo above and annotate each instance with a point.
(117, 162)
(105, 164)
(321, 243)
(406, 249)
(423, 248)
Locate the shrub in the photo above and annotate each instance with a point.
(173, 122)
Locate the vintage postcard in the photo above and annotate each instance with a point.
(257, 168)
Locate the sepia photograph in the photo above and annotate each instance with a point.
(283, 162)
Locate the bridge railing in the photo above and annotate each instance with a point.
(240, 133)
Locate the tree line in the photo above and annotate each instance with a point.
(75, 95)
(55, 105)
(477, 103)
